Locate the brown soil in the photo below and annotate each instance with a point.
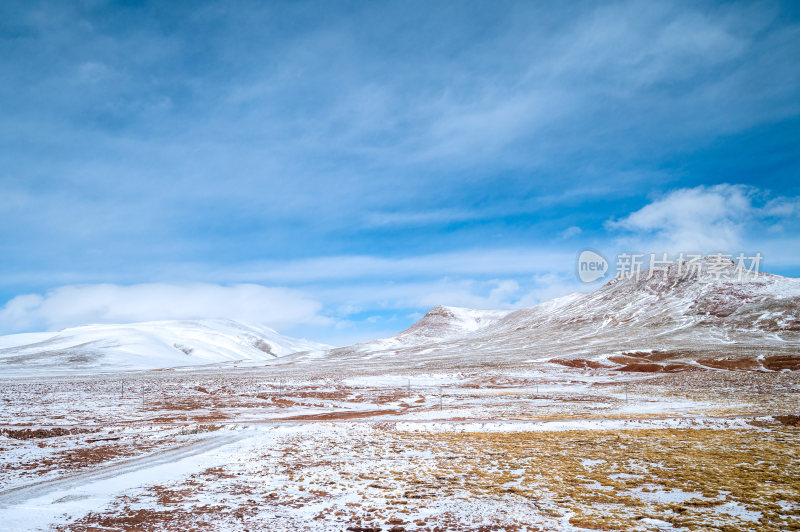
(637, 354)
(624, 359)
(391, 397)
(642, 367)
(779, 362)
(579, 363)
(276, 400)
(790, 420)
(86, 456)
(730, 363)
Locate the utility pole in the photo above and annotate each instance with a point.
(409, 386)
(440, 397)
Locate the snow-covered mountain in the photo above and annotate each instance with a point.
(659, 322)
(668, 321)
(445, 322)
(440, 323)
(147, 345)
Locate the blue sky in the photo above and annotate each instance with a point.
(334, 169)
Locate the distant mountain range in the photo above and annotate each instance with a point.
(668, 321)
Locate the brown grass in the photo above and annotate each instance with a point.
(32, 434)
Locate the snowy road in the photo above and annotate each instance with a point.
(41, 504)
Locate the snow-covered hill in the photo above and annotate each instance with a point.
(147, 345)
(440, 323)
(670, 317)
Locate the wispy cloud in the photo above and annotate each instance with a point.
(705, 219)
(471, 263)
(421, 218)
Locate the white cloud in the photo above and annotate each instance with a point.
(342, 287)
(702, 219)
(569, 232)
(108, 303)
(491, 295)
(419, 218)
(477, 262)
(505, 293)
(727, 218)
(550, 286)
(783, 208)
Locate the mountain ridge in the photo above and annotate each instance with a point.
(667, 320)
(683, 317)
